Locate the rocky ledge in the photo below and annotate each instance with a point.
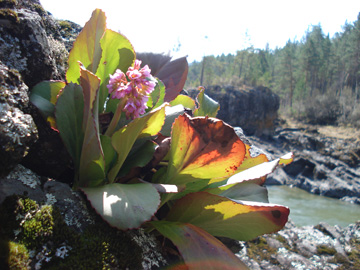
(323, 165)
(311, 247)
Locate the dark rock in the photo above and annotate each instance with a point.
(253, 110)
(21, 181)
(27, 45)
(17, 129)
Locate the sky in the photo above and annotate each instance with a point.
(209, 27)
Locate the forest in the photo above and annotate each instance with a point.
(317, 77)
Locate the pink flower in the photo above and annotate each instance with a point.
(135, 86)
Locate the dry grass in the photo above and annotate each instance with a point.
(340, 132)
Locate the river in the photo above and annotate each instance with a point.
(310, 209)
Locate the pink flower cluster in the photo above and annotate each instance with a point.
(135, 87)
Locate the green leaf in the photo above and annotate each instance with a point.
(123, 139)
(92, 162)
(109, 152)
(138, 158)
(186, 101)
(156, 98)
(199, 249)
(207, 106)
(86, 49)
(124, 206)
(172, 73)
(44, 96)
(171, 113)
(202, 148)
(221, 216)
(69, 117)
(117, 53)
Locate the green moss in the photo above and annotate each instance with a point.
(42, 227)
(39, 9)
(18, 256)
(259, 250)
(9, 14)
(323, 249)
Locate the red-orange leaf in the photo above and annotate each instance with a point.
(203, 148)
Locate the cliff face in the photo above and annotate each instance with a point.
(253, 110)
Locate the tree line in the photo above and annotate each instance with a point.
(314, 68)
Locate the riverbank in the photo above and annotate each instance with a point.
(327, 159)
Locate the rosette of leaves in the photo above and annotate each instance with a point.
(189, 177)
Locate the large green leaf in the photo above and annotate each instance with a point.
(199, 249)
(124, 206)
(117, 53)
(92, 162)
(86, 48)
(44, 96)
(69, 117)
(221, 216)
(202, 148)
(123, 139)
(207, 106)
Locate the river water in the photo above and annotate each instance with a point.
(310, 209)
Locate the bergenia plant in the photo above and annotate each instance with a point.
(162, 160)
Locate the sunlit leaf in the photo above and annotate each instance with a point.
(69, 117)
(156, 98)
(123, 139)
(186, 101)
(199, 249)
(221, 216)
(117, 53)
(207, 106)
(244, 191)
(172, 73)
(258, 173)
(171, 113)
(86, 48)
(124, 206)
(202, 148)
(44, 96)
(92, 162)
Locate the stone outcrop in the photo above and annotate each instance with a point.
(254, 110)
(322, 165)
(309, 247)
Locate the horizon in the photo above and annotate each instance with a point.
(209, 29)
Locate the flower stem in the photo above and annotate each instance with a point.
(115, 120)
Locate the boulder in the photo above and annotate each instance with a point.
(17, 129)
(254, 110)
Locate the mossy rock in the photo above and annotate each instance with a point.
(36, 235)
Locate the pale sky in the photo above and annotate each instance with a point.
(209, 27)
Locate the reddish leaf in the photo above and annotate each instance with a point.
(172, 73)
(199, 249)
(203, 148)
